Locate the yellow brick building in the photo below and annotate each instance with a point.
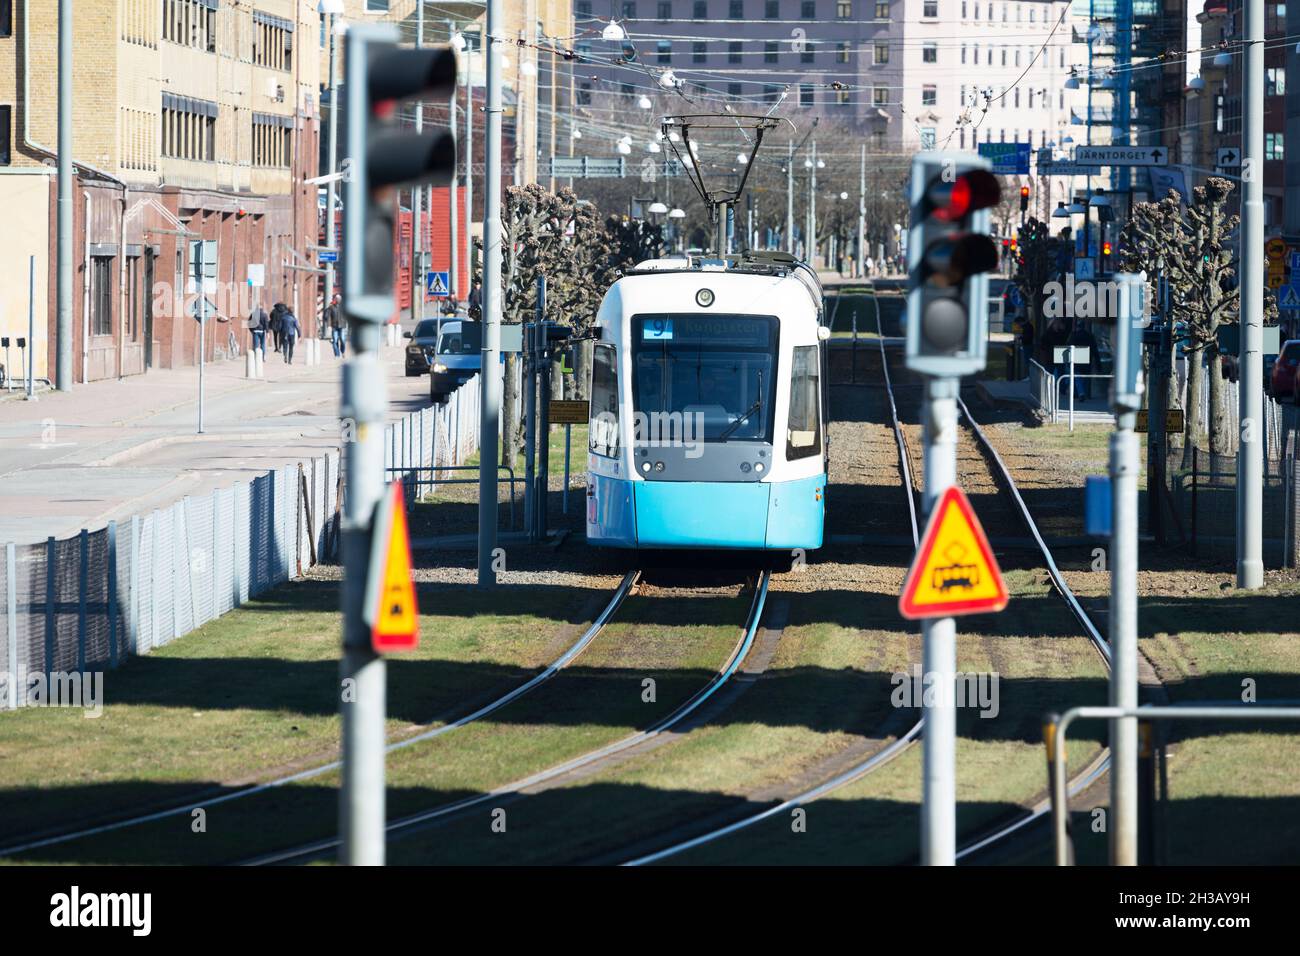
(191, 118)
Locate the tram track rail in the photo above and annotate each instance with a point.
(1001, 832)
(41, 840)
(584, 763)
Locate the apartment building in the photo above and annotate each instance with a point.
(192, 119)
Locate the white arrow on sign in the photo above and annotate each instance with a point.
(1121, 155)
(1228, 157)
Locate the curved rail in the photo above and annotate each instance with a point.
(692, 704)
(1084, 779)
(577, 647)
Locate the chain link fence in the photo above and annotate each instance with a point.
(88, 602)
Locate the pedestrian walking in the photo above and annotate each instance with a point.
(277, 325)
(475, 300)
(289, 334)
(334, 322)
(259, 322)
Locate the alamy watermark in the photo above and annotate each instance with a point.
(57, 689)
(959, 689)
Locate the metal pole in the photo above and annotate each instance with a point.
(490, 383)
(331, 188)
(453, 240)
(530, 412)
(810, 241)
(363, 686)
(568, 447)
(469, 172)
(63, 328)
(417, 197)
(1123, 639)
(862, 213)
(30, 357)
(789, 201)
(199, 270)
(939, 643)
(1250, 405)
(1069, 358)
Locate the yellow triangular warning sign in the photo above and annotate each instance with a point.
(954, 571)
(395, 614)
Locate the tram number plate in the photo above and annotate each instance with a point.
(568, 413)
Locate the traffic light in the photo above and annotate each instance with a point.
(384, 156)
(1024, 198)
(1106, 267)
(949, 253)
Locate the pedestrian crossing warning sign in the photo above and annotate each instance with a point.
(437, 285)
(393, 614)
(954, 571)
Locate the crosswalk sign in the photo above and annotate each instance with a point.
(437, 285)
(1288, 297)
(391, 609)
(954, 571)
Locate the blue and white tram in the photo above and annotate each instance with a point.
(707, 412)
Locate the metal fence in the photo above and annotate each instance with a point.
(89, 602)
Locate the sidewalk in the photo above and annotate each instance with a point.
(106, 450)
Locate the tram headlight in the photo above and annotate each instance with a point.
(645, 466)
(704, 298)
(758, 467)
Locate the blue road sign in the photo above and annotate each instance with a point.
(437, 285)
(1288, 297)
(1097, 506)
(1008, 159)
(329, 255)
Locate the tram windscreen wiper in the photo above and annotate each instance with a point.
(757, 406)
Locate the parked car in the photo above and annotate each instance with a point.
(419, 351)
(457, 358)
(1284, 383)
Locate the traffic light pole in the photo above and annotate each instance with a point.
(1250, 456)
(939, 646)
(490, 377)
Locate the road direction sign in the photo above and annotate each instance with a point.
(328, 255)
(1122, 155)
(1228, 157)
(1008, 159)
(954, 571)
(391, 608)
(437, 285)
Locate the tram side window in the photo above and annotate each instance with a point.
(604, 401)
(803, 434)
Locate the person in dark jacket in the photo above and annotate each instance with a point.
(259, 322)
(334, 322)
(289, 332)
(475, 310)
(277, 325)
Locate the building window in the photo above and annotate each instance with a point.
(1004, 56)
(733, 90)
(882, 9)
(133, 297)
(581, 10)
(806, 94)
(6, 18)
(189, 128)
(842, 98)
(1273, 146)
(584, 94)
(376, 6)
(771, 52)
(101, 295)
(843, 9)
(930, 9)
(929, 95)
(927, 137)
(806, 54)
(697, 51)
(191, 23)
(272, 41)
(841, 52)
(963, 10)
(1275, 81)
(771, 93)
(629, 9)
(736, 9)
(272, 140)
(665, 10)
(963, 53)
(6, 134)
(733, 51)
(700, 10)
(881, 52)
(929, 53)
(808, 9)
(878, 140)
(880, 96)
(772, 10)
(664, 51)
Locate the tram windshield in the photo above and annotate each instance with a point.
(711, 371)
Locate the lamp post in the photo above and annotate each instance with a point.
(332, 8)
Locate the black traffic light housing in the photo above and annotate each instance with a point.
(949, 256)
(1024, 198)
(380, 74)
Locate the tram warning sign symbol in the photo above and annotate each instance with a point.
(954, 571)
(391, 608)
